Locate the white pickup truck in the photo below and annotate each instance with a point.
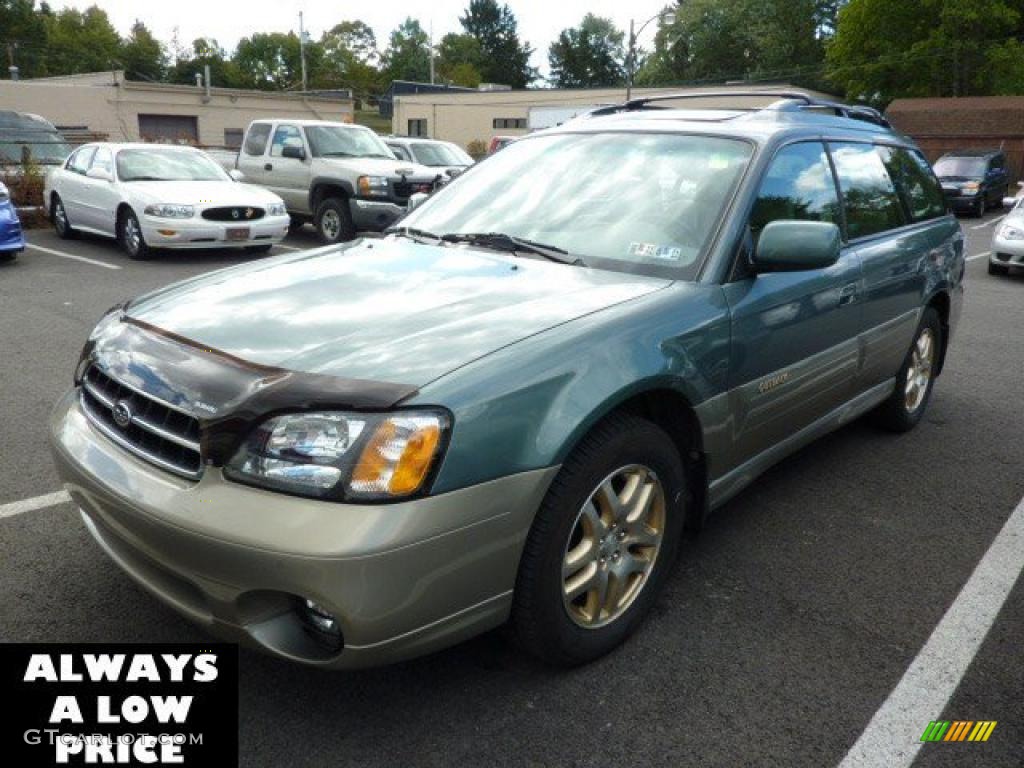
(342, 177)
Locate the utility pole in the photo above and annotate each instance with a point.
(431, 51)
(630, 54)
(12, 68)
(302, 51)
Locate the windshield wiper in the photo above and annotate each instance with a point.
(505, 242)
(417, 235)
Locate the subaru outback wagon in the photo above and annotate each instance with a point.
(509, 408)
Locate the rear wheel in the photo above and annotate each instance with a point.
(914, 382)
(602, 544)
(995, 269)
(334, 221)
(129, 235)
(60, 219)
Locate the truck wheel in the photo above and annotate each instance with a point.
(60, 219)
(334, 221)
(914, 383)
(602, 543)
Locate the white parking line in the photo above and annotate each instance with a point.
(289, 247)
(892, 738)
(988, 223)
(65, 255)
(36, 502)
(982, 255)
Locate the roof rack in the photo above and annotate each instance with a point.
(789, 101)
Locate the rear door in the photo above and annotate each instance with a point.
(288, 177)
(794, 334)
(251, 156)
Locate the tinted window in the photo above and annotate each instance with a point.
(256, 141)
(952, 167)
(400, 152)
(103, 160)
(797, 185)
(916, 184)
(79, 161)
(869, 197)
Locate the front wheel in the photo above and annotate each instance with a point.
(334, 221)
(129, 235)
(979, 206)
(916, 378)
(60, 220)
(995, 269)
(602, 543)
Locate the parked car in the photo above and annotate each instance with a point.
(12, 240)
(511, 406)
(342, 177)
(23, 134)
(500, 142)
(443, 156)
(160, 196)
(1008, 240)
(974, 179)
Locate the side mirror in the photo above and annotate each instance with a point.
(296, 153)
(236, 174)
(99, 173)
(416, 199)
(792, 246)
(1009, 202)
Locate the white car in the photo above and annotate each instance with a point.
(1008, 239)
(160, 196)
(442, 156)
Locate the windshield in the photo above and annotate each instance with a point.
(167, 165)
(965, 167)
(340, 141)
(645, 203)
(46, 147)
(439, 154)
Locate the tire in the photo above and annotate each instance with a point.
(333, 221)
(907, 404)
(59, 217)
(295, 224)
(979, 207)
(547, 622)
(265, 248)
(995, 269)
(130, 238)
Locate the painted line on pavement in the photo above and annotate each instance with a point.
(289, 247)
(892, 738)
(989, 223)
(65, 255)
(982, 255)
(36, 502)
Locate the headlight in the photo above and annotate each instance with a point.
(372, 185)
(1009, 232)
(334, 455)
(167, 211)
(4, 194)
(276, 209)
(971, 186)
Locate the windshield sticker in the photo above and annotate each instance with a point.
(655, 251)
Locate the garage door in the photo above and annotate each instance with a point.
(176, 128)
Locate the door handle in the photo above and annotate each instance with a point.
(848, 294)
(268, 166)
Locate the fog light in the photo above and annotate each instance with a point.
(324, 624)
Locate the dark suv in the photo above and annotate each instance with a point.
(973, 179)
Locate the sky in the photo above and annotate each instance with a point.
(540, 21)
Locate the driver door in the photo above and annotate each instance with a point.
(288, 177)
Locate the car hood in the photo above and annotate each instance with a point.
(384, 310)
(199, 193)
(382, 166)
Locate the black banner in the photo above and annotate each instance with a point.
(106, 704)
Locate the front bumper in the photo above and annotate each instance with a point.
(402, 579)
(1007, 253)
(12, 239)
(965, 202)
(374, 215)
(199, 233)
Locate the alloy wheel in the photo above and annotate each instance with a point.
(60, 217)
(330, 225)
(919, 372)
(132, 234)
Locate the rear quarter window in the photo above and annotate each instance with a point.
(869, 196)
(915, 182)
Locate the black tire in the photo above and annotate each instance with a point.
(130, 237)
(979, 207)
(59, 217)
(7, 256)
(295, 224)
(333, 221)
(898, 413)
(264, 248)
(540, 617)
(995, 269)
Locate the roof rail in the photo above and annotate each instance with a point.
(804, 101)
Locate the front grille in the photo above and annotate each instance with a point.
(233, 213)
(402, 189)
(157, 432)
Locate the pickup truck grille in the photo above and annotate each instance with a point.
(402, 190)
(233, 213)
(149, 428)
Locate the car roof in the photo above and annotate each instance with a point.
(973, 153)
(117, 146)
(304, 122)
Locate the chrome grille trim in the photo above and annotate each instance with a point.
(172, 445)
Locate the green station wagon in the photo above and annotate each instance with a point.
(509, 408)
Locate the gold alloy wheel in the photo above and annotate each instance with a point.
(613, 546)
(919, 374)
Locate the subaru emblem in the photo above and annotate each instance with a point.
(122, 414)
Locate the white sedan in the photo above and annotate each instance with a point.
(157, 196)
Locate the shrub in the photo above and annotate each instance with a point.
(477, 148)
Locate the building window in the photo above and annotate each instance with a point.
(509, 122)
(233, 138)
(169, 129)
(418, 127)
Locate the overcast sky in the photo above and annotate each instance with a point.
(540, 21)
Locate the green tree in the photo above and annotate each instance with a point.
(272, 61)
(504, 58)
(142, 55)
(460, 60)
(80, 41)
(408, 53)
(589, 55)
(24, 29)
(206, 52)
(349, 60)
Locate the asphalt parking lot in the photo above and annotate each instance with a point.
(785, 628)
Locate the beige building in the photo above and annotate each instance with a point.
(465, 117)
(104, 105)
